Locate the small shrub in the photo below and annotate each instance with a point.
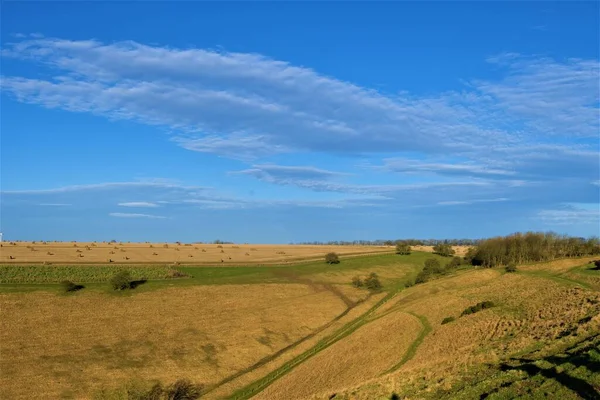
(477, 307)
(597, 264)
(68, 286)
(454, 263)
(175, 273)
(121, 281)
(394, 396)
(403, 249)
(447, 320)
(183, 389)
(432, 266)
(422, 277)
(357, 282)
(332, 258)
(372, 282)
(512, 267)
(444, 250)
(219, 247)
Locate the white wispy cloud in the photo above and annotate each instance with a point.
(321, 180)
(140, 204)
(458, 168)
(103, 186)
(289, 172)
(552, 97)
(279, 107)
(135, 215)
(466, 202)
(529, 135)
(569, 216)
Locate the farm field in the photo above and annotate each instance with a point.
(298, 330)
(60, 253)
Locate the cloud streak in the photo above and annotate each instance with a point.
(135, 215)
(279, 107)
(138, 204)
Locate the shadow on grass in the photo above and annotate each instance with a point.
(135, 284)
(580, 358)
(76, 288)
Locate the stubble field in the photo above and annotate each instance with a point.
(61, 253)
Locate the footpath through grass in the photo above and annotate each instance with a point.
(581, 275)
(412, 349)
(262, 383)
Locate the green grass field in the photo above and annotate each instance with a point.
(82, 274)
(397, 271)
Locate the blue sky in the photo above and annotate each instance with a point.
(287, 122)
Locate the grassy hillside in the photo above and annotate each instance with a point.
(301, 331)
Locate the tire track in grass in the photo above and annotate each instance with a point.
(262, 383)
(412, 349)
(292, 277)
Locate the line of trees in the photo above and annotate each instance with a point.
(527, 247)
(388, 242)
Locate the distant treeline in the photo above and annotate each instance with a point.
(411, 242)
(527, 247)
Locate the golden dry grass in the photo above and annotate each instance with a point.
(149, 253)
(54, 346)
(366, 353)
(531, 311)
(460, 250)
(251, 376)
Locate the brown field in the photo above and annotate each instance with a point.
(460, 250)
(228, 336)
(531, 311)
(263, 370)
(70, 346)
(163, 253)
(365, 354)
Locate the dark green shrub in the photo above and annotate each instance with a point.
(512, 267)
(394, 396)
(332, 258)
(487, 304)
(432, 266)
(68, 286)
(183, 389)
(403, 249)
(597, 264)
(447, 320)
(422, 277)
(478, 307)
(444, 250)
(372, 282)
(121, 281)
(357, 282)
(454, 263)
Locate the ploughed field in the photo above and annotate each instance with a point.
(302, 330)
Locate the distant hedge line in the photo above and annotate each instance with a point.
(530, 247)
